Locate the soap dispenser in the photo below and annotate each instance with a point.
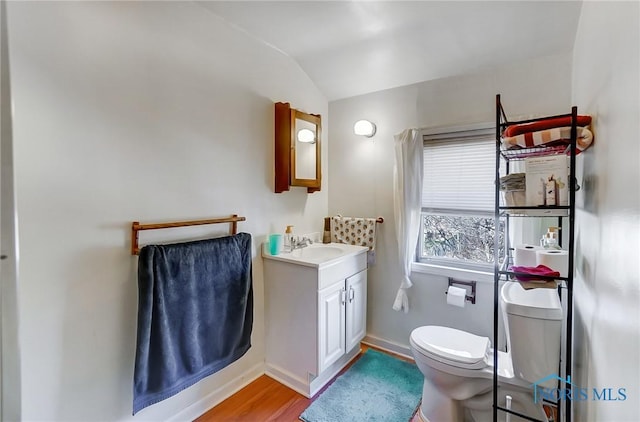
(288, 239)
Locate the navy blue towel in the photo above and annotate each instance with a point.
(195, 314)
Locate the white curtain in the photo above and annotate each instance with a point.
(407, 206)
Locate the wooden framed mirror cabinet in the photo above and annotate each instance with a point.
(297, 149)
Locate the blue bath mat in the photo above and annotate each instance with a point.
(378, 387)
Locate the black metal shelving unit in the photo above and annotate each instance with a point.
(501, 263)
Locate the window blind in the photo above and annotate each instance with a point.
(459, 171)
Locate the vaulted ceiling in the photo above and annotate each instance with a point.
(354, 47)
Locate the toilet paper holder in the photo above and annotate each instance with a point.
(468, 297)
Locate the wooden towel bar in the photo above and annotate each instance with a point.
(136, 227)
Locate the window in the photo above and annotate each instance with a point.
(458, 197)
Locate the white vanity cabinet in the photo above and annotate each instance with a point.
(342, 318)
(356, 309)
(316, 313)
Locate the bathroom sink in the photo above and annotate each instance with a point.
(317, 254)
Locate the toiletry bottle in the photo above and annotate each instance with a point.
(550, 239)
(288, 239)
(326, 235)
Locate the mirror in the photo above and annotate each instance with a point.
(297, 149)
(305, 152)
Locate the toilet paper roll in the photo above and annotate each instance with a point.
(456, 296)
(555, 259)
(525, 255)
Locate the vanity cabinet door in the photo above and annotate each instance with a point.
(331, 324)
(356, 308)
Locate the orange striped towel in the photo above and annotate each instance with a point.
(550, 123)
(550, 137)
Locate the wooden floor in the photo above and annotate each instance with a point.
(266, 400)
(263, 400)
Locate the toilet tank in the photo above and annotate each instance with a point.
(533, 323)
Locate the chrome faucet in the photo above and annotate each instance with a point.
(300, 243)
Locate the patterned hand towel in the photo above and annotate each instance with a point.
(355, 231)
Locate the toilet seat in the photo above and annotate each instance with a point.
(432, 341)
(452, 347)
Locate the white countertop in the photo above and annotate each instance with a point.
(317, 254)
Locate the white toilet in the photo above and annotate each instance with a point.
(458, 366)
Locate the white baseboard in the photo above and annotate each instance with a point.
(219, 395)
(332, 371)
(306, 387)
(389, 346)
(287, 378)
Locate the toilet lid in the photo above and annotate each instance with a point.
(455, 347)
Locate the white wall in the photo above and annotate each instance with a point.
(361, 171)
(607, 288)
(134, 111)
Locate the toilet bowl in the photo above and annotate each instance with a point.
(458, 366)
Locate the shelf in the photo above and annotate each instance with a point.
(538, 207)
(513, 412)
(538, 277)
(501, 273)
(541, 151)
(540, 211)
(506, 123)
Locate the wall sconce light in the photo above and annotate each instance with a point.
(307, 136)
(364, 128)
